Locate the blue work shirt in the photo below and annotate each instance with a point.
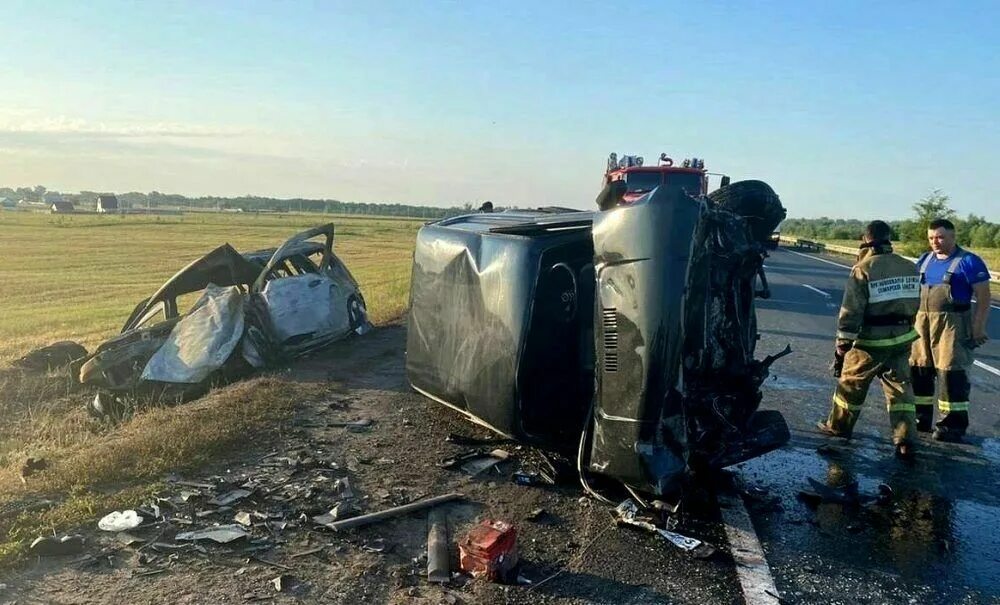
(971, 270)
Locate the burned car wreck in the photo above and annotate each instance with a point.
(625, 336)
(250, 311)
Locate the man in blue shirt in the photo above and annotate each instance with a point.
(949, 329)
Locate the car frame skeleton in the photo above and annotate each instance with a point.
(255, 309)
(627, 335)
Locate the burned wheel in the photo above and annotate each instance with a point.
(755, 201)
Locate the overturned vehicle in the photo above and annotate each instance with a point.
(625, 337)
(247, 311)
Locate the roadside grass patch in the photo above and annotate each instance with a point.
(103, 467)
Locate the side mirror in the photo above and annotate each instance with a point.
(725, 181)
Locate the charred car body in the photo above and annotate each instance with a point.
(254, 309)
(627, 335)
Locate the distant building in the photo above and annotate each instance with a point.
(62, 208)
(51, 197)
(107, 202)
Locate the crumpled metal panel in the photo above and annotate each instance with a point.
(223, 266)
(202, 340)
(308, 305)
(469, 307)
(494, 330)
(528, 322)
(642, 256)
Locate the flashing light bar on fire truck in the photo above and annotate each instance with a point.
(636, 161)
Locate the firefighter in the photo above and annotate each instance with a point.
(874, 335)
(948, 329)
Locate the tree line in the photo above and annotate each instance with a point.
(911, 234)
(247, 203)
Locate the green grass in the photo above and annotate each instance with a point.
(78, 277)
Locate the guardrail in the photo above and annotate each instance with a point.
(806, 244)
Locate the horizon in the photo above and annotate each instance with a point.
(460, 204)
(841, 109)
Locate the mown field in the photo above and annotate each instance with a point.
(77, 278)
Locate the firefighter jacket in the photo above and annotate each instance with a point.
(881, 298)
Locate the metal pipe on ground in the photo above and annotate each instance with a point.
(392, 512)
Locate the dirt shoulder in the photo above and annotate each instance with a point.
(393, 462)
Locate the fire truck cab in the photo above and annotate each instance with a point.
(640, 179)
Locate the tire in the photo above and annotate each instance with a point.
(755, 201)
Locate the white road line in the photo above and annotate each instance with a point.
(830, 262)
(987, 367)
(781, 301)
(992, 306)
(752, 570)
(818, 291)
(822, 260)
(978, 363)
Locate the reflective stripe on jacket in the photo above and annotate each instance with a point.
(881, 298)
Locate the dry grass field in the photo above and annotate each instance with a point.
(77, 278)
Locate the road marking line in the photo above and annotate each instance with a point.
(992, 306)
(818, 291)
(982, 365)
(830, 262)
(822, 260)
(782, 301)
(752, 570)
(987, 367)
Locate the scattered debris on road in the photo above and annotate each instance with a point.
(280, 583)
(52, 546)
(438, 568)
(230, 497)
(477, 462)
(847, 494)
(223, 534)
(51, 357)
(391, 512)
(628, 513)
(120, 521)
(32, 466)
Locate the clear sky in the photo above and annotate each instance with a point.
(849, 109)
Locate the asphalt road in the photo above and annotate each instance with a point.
(938, 539)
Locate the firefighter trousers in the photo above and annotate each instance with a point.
(891, 366)
(942, 356)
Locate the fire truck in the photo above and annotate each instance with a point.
(640, 179)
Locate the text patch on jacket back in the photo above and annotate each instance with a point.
(892, 288)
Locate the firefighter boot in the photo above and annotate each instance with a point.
(841, 420)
